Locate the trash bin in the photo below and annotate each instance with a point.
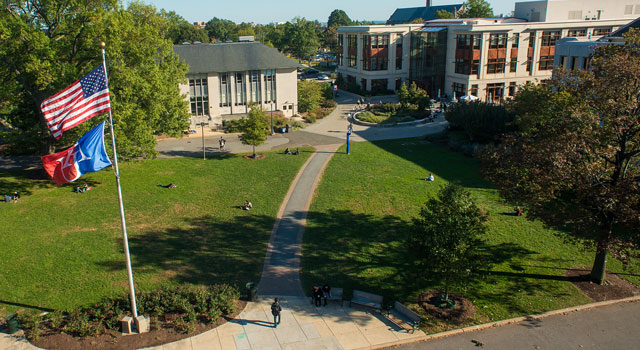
(252, 291)
(12, 323)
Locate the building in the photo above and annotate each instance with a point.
(576, 10)
(410, 14)
(223, 79)
(375, 57)
(484, 57)
(575, 53)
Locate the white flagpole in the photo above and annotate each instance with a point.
(125, 240)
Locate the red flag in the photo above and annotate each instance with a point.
(77, 103)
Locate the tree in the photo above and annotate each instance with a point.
(481, 121)
(254, 129)
(476, 9)
(301, 37)
(310, 95)
(413, 96)
(245, 29)
(221, 29)
(180, 30)
(445, 237)
(444, 14)
(57, 43)
(574, 159)
(338, 18)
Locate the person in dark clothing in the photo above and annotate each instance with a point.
(318, 296)
(326, 293)
(276, 309)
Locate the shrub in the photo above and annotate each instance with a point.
(369, 117)
(329, 104)
(296, 124)
(481, 121)
(231, 126)
(309, 118)
(310, 95)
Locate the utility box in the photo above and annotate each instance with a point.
(125, 325)
(142, 324)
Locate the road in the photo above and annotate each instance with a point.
(615, 327)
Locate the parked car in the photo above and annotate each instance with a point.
(323, 77)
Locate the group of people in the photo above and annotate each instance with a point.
(82, 189)
(287, 151)
(320, 294)
(12, 198)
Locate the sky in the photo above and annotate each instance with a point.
(263, 12)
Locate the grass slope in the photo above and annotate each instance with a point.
(61, 249)
(363, 209)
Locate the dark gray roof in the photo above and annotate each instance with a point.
(635, 24)
(231, 57)
(406, 15)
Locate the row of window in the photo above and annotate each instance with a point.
(499, 40)
(498, 65)
(494, 91)
(199, 92)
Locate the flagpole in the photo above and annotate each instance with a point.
(125, 240)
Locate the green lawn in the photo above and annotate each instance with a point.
(60, 249)
(362, 212)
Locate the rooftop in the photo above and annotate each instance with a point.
(406, 15)
(231, 57)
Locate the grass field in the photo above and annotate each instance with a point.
(362, 212)
(60, 249)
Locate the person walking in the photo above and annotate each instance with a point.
(276, 309)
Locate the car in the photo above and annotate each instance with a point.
(323, 77)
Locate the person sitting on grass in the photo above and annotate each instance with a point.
(287, 151)
(517, 211)
(296, 152)
(171, 185)
(247, 205)
(83, 188)
(15, 197)
(430, 178)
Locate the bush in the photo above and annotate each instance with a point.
(231, 126)
(309, 118)
(482, 122)
(296, 124)
(310, 95)
(329, 104)
(190, 303)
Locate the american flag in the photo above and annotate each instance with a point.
(77, 103)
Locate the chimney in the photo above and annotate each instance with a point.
(428, 3)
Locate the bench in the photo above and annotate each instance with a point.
(366, 299)
(336, 295)
(405, 315)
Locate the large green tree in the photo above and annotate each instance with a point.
(445, 237)
(476, 9)
(221, 29)
(46, 45)
(338, 18)
(444, 14)
(301, 37)
(575, 159)
(180, 30)
(254, 128)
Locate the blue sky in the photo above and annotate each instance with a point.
(264, 11)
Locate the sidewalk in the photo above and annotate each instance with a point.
(303, 327)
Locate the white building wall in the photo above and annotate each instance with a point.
(563, 10)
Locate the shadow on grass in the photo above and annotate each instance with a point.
(6, 302)
(203, 250)
(26, 181)
(366, 252)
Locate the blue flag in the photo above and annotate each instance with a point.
(86, 156)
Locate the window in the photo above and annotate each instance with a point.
(398, 83)
(573, 65)
(399, 52)
(562, 60)
(637, 12)
(498, 41)
(512, 89)
(532, 39)
(577, 32)
(468, 41)
(459, 90)
(475, 66)
(199, 96)
(495, 65)
(628, 9)
(225, 90)
(474, 90)
(513, 65)
(602, 31)
(340, 49)
(546, 63)
(256, 91)
(495, 92)
(585, 63)
(379, 84)
(462, 66)
(352, 51)
(375, 52)
(515, 40)
(529, 64)
(550, 38)
(241, 89)
(270, 85)
(363, 84)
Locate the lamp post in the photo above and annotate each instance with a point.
(202, 124)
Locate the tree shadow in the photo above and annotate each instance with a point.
(209, 250)
(27, 181)
(11, 303)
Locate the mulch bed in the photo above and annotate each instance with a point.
(613, 288)
(463, 310)
(250, 156)
(115, 340)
